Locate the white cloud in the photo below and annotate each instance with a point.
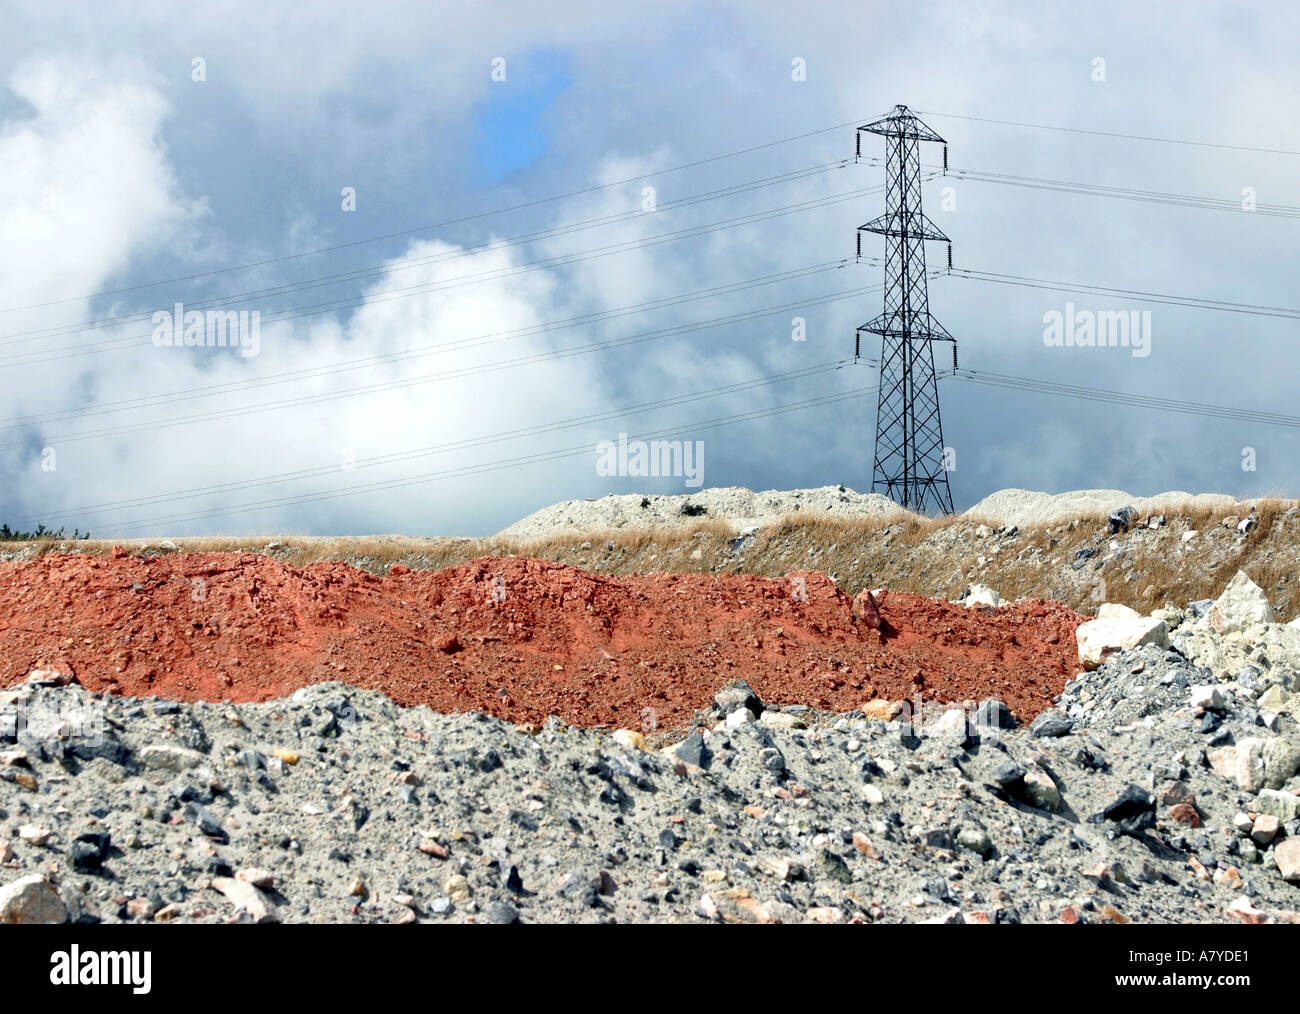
(94, 140)
(87, 185)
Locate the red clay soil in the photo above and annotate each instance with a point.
(516, 638)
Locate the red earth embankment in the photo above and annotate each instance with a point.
(513, 637)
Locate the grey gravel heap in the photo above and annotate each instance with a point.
(1155, 791)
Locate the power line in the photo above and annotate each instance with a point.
(419, 351)
(1128, 194)
(1006, 381)
(456, 445)
(1111, 133)
(33, 358)
(490, 466)
(391, 267)
(1196, 302)
(494, 367)
(596, 188)
(1039, 386)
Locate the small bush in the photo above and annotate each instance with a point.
(8, 534)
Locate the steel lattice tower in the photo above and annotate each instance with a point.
(909, 456)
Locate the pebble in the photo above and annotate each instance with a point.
(693, 751)
(1243, 911)
(247, 899)
(500, 914)
(737, 695)
(1050, 724)
(457, 888)
(1041, 791)
(169, 757)
(975, 839)
(781, 720)
(257, 877)
(29, 901)
(781, 867)
(1286, 855)
(34, 835)
(1265, 829)
(141, 908)
(629, 739)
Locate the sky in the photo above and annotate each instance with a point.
(480, 240)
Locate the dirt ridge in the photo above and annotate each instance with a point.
(514, 637)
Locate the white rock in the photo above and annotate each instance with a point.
(1276, 700)
(1172, 615)
(1223, 761)
(1265, 828)
(1281, 761)
(780, 720)
(1243, 822)
(1286, 855)
(1115, 611)
(1248, 769)
(980, 595)
(739, 717)
(1283, 805)
(1242, 909)
(257, 877)
(1188, 536)
(30, 901)
(1098, 638)
(780, 867)
(170, 758)
(950, 725)
(1041, 790)
(629, 739)
(1242, 605)
(247, 898)
(34, 835)
(1207, 697)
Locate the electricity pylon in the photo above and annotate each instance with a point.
(909, 456)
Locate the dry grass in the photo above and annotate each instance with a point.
(930, 556)
(625, 540)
